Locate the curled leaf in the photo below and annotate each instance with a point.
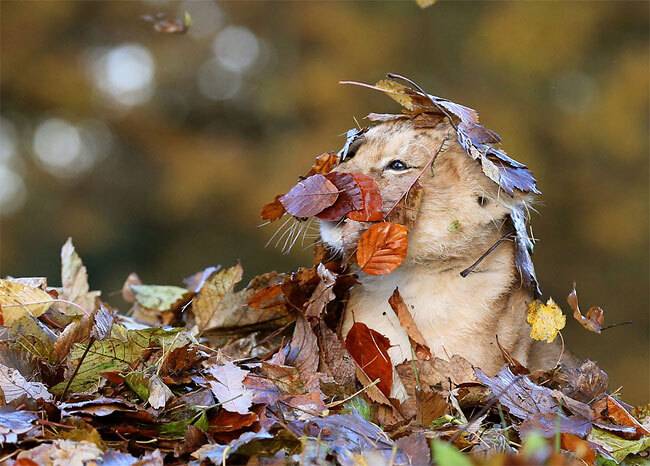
(400, 308)
(382, 248)
(593, 320)
(310, 196)
(273, 210)
(546, 320)
(324, 163)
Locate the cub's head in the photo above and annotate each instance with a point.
(461, 210)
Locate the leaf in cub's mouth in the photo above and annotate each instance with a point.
(382, 248)
(310, 196)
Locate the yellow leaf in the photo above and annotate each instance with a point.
(17, 300)
(546, 320)
(425, 3)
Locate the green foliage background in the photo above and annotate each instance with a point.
(180, 186)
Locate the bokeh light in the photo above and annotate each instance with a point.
(236, 48)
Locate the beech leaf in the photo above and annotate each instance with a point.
(405, 317)
(593, 320)
(370, 351)
(229, 388)
(74, 282)
(382, 248)
(18, 300)
(349, 199)
(310, 196)
(372, 203)
(273, 210)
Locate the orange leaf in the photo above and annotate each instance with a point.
(418, 343)
(273, 210)
(372, 201)
(595, 317)
(324, 164)
(370, 351)
(581, 448)
(382, 248)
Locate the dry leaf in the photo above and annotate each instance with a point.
(229, 388)
(546, 320)
(418, 343)
(349, 196)
(74, 279)
(323, 294)
(273, 210)
(382, 248)
(206, 304)
(310, 196)
(169, 26)
(159, 393)
(370, 351)
(324, 164)
(13, 386)
(18, 300)
(372, 203)
(595, 317)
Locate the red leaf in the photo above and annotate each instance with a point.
(370, 351)
(370, 211)
(382, 248)
(310, 196)
(349, 196)
(273, 210)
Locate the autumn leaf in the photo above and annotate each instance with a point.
(160, 297)
(273, 210)
(310, 196)
(372, 203)
(593, 320)
(18, 300)
(169, 26)
(74, 280)
(382, 248)
(349, 197)
(405, 317)
(228, 387)
(14, 423)
(370, 351)
(206, 304)
(546, 320)
(13, 386)
(324, 164)
(159, 393)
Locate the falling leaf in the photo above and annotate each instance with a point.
(371, 206)
(159, 393)
(206, 304)
(595, 317)
(546, 320)
(273, 210)
(310, 196)
(400, 308)
(324, 164)
(14, 423)
(169, 26)
(14, 386)
(229, 388)
(382, 248)
(18, 300)
(610, 409)
(349, 198)
(74, 279)
(370, 350)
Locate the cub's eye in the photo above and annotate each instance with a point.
(397, 165)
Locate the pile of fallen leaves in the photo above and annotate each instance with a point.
(206, 373)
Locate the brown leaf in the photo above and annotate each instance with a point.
(370, 351)
(349, 196)
(372, 203)
(310, 196)
(302, 351)
(579, 447)
(430, 406)
(382, 248)
(418, 343)
(334, 358)
(324, 164)
(595, 317)
(322, 295)
(585, 383)
(229, 388)
(127, 293)
(516, 367)
(609, 408)
(273, 210)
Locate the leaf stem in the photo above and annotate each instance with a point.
(74, 374)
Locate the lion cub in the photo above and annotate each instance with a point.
(461, 215)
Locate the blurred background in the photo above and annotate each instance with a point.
(156, 151)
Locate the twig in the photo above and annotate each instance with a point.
(74, 374)
(491, 249)
(337, 403)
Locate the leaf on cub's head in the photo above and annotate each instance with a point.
(310, 196)
(546, 320)
(372, 202)
(369, 349)
(273, 210)
(349, 198)
(382, 248)
(593, 320)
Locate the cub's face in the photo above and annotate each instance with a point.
(461, 209)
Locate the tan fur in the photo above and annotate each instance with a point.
(455, 315)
